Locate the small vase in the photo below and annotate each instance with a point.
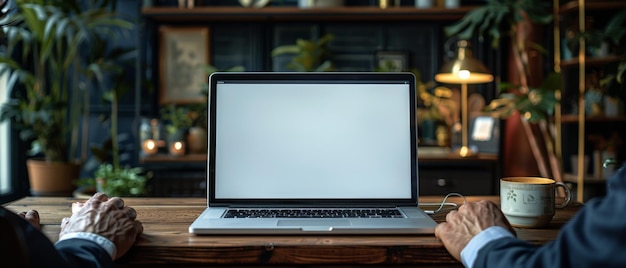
(197, 140)
(424, 3)
(613, 107)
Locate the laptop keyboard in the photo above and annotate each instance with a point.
(315, 213)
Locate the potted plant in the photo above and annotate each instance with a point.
(520, 102)
(45, 58)
(307, 55)
(600, 42)
(178, 120)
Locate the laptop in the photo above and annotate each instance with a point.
(312, 153)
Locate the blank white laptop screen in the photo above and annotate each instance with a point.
(312, 141)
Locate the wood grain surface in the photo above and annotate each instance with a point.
(166, 240)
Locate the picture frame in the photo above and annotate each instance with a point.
(392, 61)
(183, 51)
(484, 133)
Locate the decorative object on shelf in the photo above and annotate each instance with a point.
(149, 147)
(320, 3)
(605, 147)
(613, 106)
(182, 53)
(599, 42)
(614, 85)
(177, 119)
(197, 140)
(392, 61)
(254, 3)
(155, 129)
(383, 4)
(452, 3)
(145, 131)
(424, 3)
(307, 55)
(50, 46)
(148, 136)
(593, 102)
(186, 3)
(464, 69)
(177, 148)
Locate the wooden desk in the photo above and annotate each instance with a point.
(166, 240)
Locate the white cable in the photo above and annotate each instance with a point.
(443, 203)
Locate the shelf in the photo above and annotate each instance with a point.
(455, 157)
(166, 158)
(591, 61)
(572, 118)
(573, 6)
(352, 13)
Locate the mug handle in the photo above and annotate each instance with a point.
(568, 195)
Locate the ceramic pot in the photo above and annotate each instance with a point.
(51, 178)
(197, 140)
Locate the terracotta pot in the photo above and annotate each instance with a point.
(197, 140)
(51, 178)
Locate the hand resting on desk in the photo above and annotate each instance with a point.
(470, 219)
(107, 217)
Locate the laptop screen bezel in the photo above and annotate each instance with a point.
(396, 77)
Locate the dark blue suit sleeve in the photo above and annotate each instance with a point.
(595, 237)
(38, 251)
(83, 253)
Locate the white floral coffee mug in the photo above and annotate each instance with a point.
(529, 202)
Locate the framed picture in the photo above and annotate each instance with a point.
(392, 61)
(484, 133)
(182, 54)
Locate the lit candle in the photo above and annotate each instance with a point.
(177, 148)
(150, 147)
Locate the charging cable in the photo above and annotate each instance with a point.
(443, 203)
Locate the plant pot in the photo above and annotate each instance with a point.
(51, 178)
(197, 140)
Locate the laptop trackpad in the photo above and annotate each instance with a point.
(318, 225)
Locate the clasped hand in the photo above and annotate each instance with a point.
(105, 216)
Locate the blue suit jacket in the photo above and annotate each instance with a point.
(22, 245)
(595, 237)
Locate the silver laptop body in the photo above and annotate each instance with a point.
(312, 143)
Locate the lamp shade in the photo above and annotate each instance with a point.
(464, 69)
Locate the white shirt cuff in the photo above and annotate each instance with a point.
(469, 253)
(106, 244)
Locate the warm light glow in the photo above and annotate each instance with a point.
(150, 144)
(465, 151)
(464, 74)
(178, 145)
(177, 148)
(150, 147)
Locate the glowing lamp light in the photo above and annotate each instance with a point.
(464, 69)
(177, 148)
(150, 147)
